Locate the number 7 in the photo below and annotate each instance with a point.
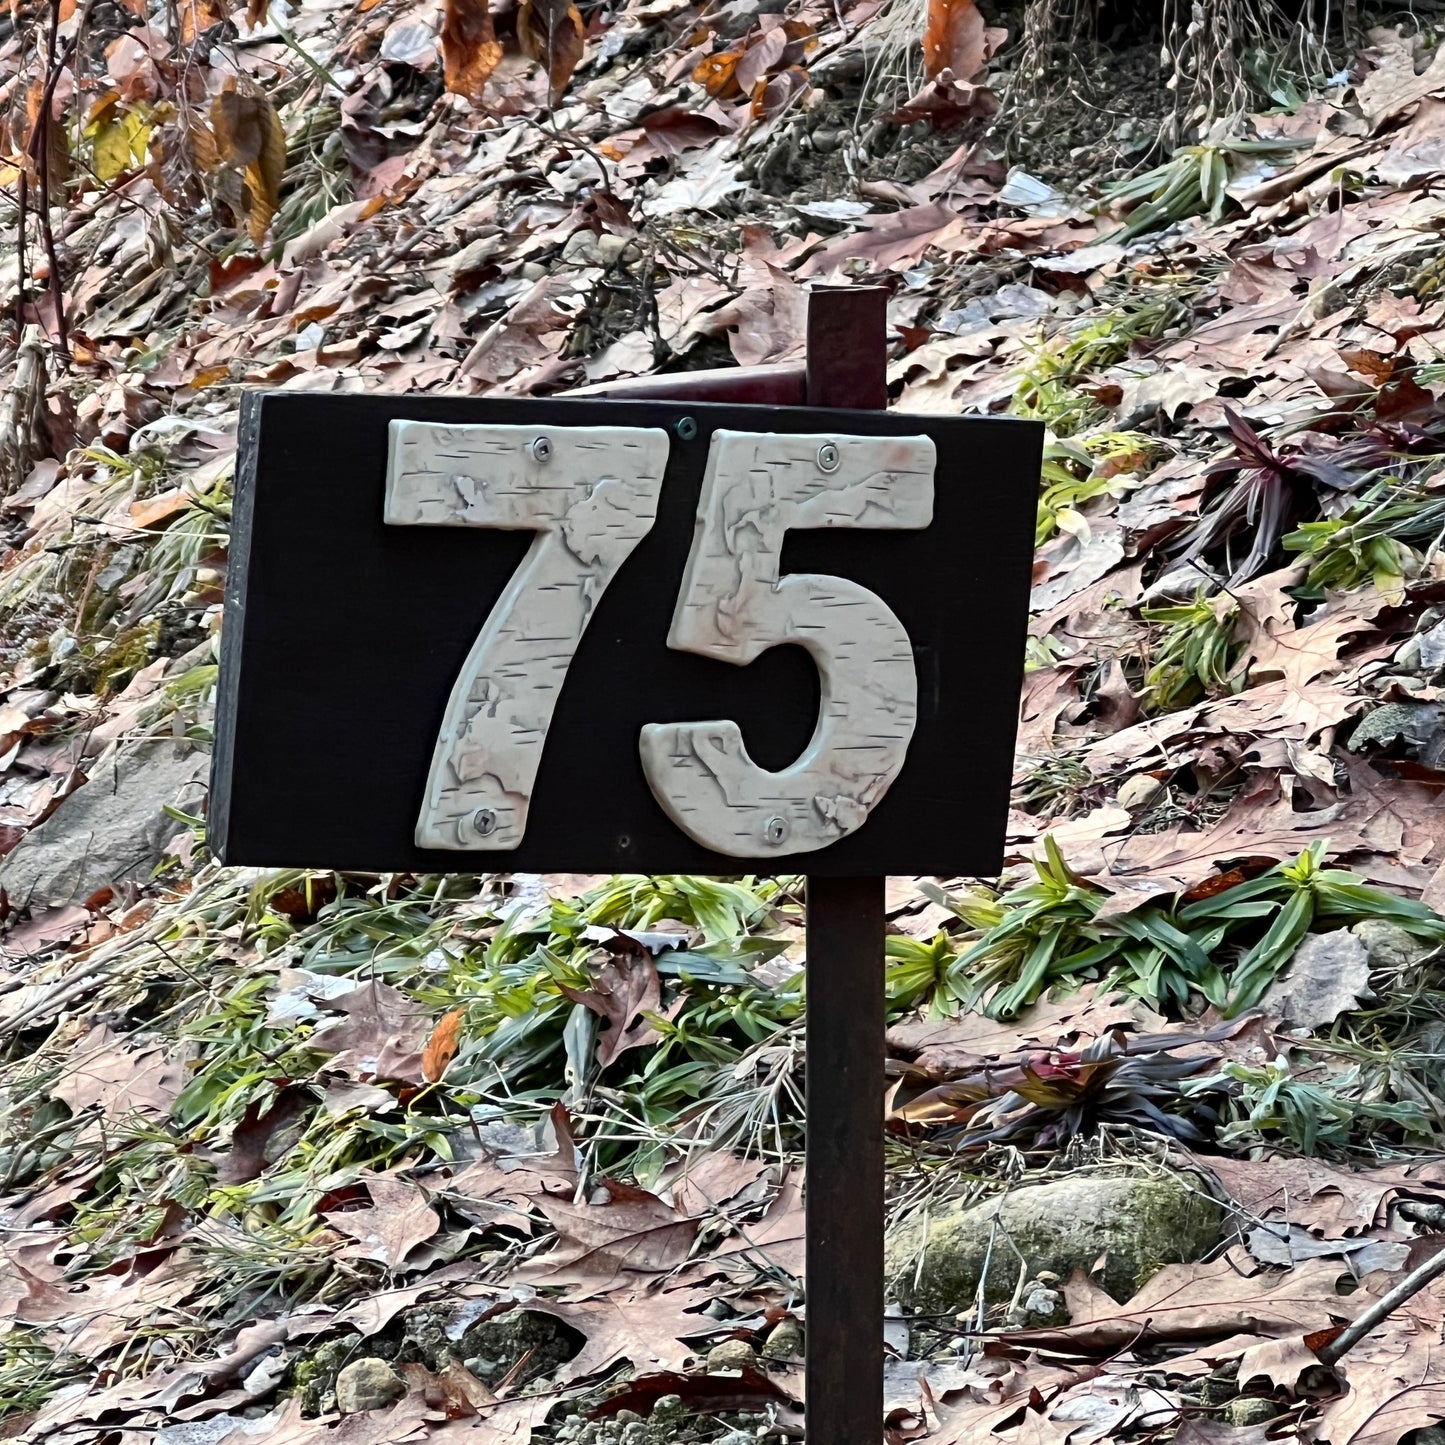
(590, 494)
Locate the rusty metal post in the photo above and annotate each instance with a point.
(846, 367)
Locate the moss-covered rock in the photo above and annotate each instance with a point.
(1136, 1222)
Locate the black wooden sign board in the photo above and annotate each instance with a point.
(392, 577)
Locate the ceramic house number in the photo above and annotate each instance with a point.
(590, 495)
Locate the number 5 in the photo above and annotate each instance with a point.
(735, 605)
(590, 494)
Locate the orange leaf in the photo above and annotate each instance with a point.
(715, 73)
(470, 48)
(441, 1048)
(954, 39)
(552, 31)
(199, 16)
(159, 508)
(771, 96)
(249, 136)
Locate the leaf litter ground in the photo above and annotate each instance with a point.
(524, 1154)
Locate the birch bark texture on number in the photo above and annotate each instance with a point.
(735, 604)
(590, 495)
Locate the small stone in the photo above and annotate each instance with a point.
(1390, 948)
(1139, 793)
(732, 1355)
(785, 1342)
(1250, 1410)
(668, 1407)
(367, 1384)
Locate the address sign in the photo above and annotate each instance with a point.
(620, 636)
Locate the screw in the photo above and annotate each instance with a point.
(542, 449)
(828, 457)
(686, 428)
(485, 822)
(775, 830)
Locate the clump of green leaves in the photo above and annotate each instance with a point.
(1195, 653)
(1227, 946)
(1371, 542)
(1192, 182)
(1077, 470)
(1271, 1102)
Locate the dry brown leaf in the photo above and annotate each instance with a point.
(249, 137)
(380, 1037)
(159, 508)
(554, 33)
(1187, 1301)
(1396, 1385)
(199, 16)
(971, 1039)
(400, 1218)
(717, 74)
(57, 147)
(470, 48)
(441, 1047)
(602, 1247)
(954, 39)
(625, 985)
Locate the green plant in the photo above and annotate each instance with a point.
(1227, 947)
(1191, 182)
(1370, 542)
(1271, 1102)
(1195, 652)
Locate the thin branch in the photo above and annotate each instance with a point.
(1386, 1305)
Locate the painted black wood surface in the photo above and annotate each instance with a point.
(343, 637)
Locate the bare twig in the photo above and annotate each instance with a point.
(1386, 1305)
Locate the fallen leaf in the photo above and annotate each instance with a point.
(470, 48)
(604, 1246)
(624, 985)
(441, 1047)
(399, 1219)
(265, 1132)
(1396, 1385)
(703, 1394)
(552, 32)
(954, 39)
(249, 136)
(1187, 1301)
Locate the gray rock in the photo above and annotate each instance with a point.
(112, 828)
(367, 1384)
(785, 1341)
(1327, 976)
(1138, 1223)
(732, 1355)
(1251, 1410)
(1389, 947)
(1139, 793)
